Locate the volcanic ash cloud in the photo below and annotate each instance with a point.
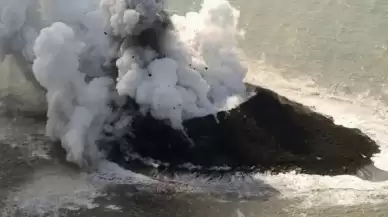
(192, 69)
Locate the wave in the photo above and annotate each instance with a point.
(85, 66)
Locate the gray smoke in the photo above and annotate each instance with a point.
(85, 56)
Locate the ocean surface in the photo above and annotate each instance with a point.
(328, 54)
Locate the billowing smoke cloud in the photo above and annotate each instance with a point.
(67, 61)
(19, 27)
(16, 32)
(199, 70)
(75, 107)
(174, 67)
(21, 22)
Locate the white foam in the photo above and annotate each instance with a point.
(201, 74)
(111, 173)
(239, 213)
(312, 190)
(325, 190)
(113, 207)
(52, 190)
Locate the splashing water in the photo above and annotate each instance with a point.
(196, 71)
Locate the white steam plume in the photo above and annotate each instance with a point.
(22, 20)
(17, 24)
(19, 27)
(67, 61)
(200, 70)
(195, 72)
(75, 107)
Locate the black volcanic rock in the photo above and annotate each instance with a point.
(267, 132)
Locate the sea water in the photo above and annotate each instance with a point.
(328, 54)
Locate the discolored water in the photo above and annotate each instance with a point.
(35, 181)
(341, 44)
(327, 54)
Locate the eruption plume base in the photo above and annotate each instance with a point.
(111, 86)
(266, 133)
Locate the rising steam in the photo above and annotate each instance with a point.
(87, 56)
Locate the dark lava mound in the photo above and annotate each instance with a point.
(268, 133)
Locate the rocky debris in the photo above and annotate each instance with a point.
(268, 132)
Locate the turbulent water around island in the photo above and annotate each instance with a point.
(329, 55)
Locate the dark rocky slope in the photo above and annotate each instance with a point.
(268, 133)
